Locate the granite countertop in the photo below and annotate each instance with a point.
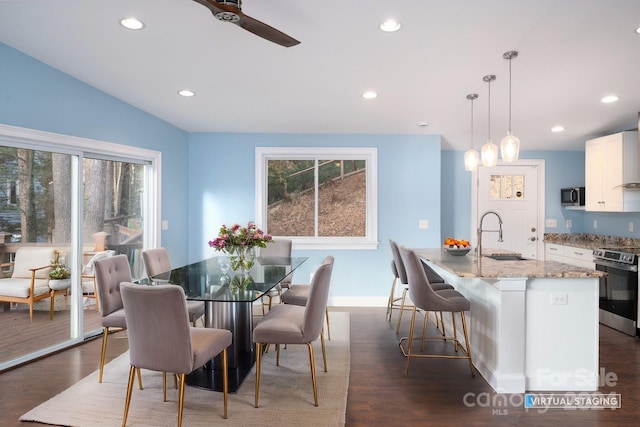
(467, 266)
(591, 241)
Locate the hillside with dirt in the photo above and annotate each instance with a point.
(342, 210)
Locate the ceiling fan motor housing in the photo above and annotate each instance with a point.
(227, 15)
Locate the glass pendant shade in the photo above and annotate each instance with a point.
(510, 144)
(489, 154)
(510, 147)
(471, 159)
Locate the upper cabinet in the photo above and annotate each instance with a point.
(611, 163)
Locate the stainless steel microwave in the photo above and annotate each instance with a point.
(573, 196)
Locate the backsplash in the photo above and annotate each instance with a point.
(593, 241)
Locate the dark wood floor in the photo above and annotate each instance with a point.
(379, 393)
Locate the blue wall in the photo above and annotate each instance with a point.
(36, 96)
(222, 190)
(208, 179)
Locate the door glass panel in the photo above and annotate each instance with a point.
(35, 222)
(506, 187)
(112, 221)
(36, 199)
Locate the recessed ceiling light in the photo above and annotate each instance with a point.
(186, 93)
(638, 30)
(390, 25)
(369, 94)
(557, 129)
(131, 23)
(609, 99)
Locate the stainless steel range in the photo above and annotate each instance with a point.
(619, 289)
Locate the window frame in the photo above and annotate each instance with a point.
(369, 154)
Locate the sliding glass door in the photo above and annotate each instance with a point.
(78, 204)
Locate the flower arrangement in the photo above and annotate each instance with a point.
(239, 242)
(60, 271)
(230, 239)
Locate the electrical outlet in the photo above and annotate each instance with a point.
(165, 224)
(630, 226)
(559, 299)
(424, 223)
(569, 223)
(595, 224)
(551, 222)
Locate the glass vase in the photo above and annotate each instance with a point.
(242, 259)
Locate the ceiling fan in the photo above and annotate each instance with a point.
(231, 11)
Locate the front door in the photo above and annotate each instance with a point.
(516, 192)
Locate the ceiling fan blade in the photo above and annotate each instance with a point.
(231, 13)
(266, 31)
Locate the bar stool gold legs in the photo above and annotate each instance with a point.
(466, 349)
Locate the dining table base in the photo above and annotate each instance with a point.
(236, 317)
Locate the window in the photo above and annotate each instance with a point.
(318, 197)
(506, 187)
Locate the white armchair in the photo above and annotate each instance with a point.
(89, 285)
(29, 281)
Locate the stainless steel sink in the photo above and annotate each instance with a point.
(507, 257)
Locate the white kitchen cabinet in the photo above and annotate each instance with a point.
(572, 255)
(553, 252)
(610, 162)
(579, 257)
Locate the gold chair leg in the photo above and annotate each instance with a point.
(127, 401)
(444, 334)
(391, 299)
(277, 354)
(105, 334)
(258, 360)
(410, 341)
(326, 315)
(313, 374)
(324, 353)
(404, 297)
(164, 386)
(225, 382)
(139, 378)
(424, 330)
(181, 400)
(455, 333)
(466, 342)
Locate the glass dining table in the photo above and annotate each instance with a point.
(228, 308)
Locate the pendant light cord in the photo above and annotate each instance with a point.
(509, 94)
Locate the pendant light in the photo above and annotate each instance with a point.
(510, 144)
(489, 149)
(471, 156)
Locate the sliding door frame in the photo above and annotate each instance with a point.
(79, 148)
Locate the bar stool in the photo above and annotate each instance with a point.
(427, 299)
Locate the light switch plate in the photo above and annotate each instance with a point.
(551, 222)
(424, 223)
(165, 224)
(569, 223)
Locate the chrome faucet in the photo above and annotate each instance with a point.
(480, 230)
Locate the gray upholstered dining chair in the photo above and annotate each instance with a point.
(276, 248)
(109, 273)
(294, 324)
(160, 338)
(425, 298)
(400, 274)
(299, 295)
(156, 262)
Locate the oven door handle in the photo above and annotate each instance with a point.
(616, 265)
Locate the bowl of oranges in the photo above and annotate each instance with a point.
(457, 247)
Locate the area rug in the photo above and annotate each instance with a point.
(286, 394)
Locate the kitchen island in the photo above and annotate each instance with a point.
(533, 324)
